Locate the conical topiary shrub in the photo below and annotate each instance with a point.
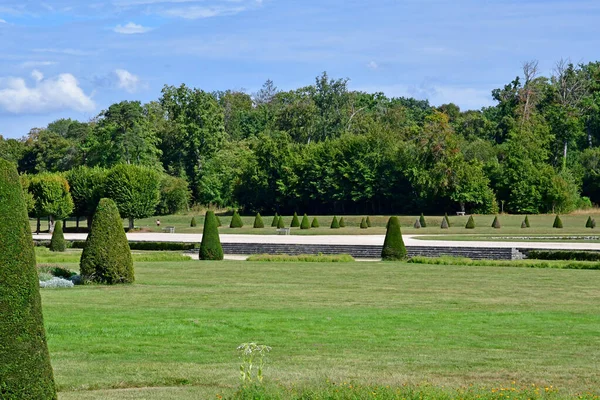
(557, 222)
(57, 243)
(106, 257)
(193, 223)
(444, 224)
(393, 246)
(218, 220)
(363, 224)
(210, 248)
(422, 221)
(258, 222)
(342, 223)
(275, 221)
(470, 223)
(527, 222)
(295, 221)
(588, 224)
(305, 224)
(368, 221)
(523, 225)
(334, 223)
(315, 223)
(280, 223)
(417, 224)
(236, 221)
(496, 223)
(447, 219)
(25, 370)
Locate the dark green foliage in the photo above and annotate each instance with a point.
(363, 224)
(422, 221)
(527, 221)
(334, 223)
(588, 224)
(193, 223)
(417, 224)
(280, 223)
(295, 221)
(447, 220)
(174, 195)
(275, 220)
(368, 221)
(87, 188)
(557, 222)
(57, 243)
(154, 246)
(470, 223)
(393, 246)
(568, 255)
(106, 257)
(444, 223)
(210, 248)
(496, 223)
(25, 370)
(315, 223)
(236, 221)
(305, 224)
(258, 222)
(342, 223)
(523, 225)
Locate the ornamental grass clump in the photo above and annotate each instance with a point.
(334, 223)
(210, 248)
(193, 223)
(106, 257)
(258, 222)
(25, 370)
(295, 221)
(315, 223)
(236, 221)
(470, 223)
(393, 246)
(496, 223)
(57, 243)
(422, 221)
(275, 221)
(363, 224)
(304, 224)
(557, 222)
(342, 223)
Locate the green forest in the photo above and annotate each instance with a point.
(325, 149)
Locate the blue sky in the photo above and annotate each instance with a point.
(71, 58)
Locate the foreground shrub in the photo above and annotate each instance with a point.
(295, 221)
(305, 224)
(57, 243)
(275, 221)
(258, 222)
(315, 223)
(210, 248)
(470, 223)
(422, 221)
(334, 223)
(193, 222)
(25, 370)
(342, 223)
(302, 258)
(557, 222)
(393, 246)
(106, 257)
(496, 223)
(236, 221)
(363, 224)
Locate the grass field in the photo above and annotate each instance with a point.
(173, 334)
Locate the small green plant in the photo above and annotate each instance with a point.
(527, 222)
(363, 224)
(295, 221)
(58, 239)
(588, 224)
(305, 224)
(342, 223)
(252, 355)
(447, 219)
(258, 222)
(445, 224)
(422, 221)
(315, 223)
(334, 223)
(280, 223)
(236, 221)
(557, 222)
(275, 221)
(470, 223)
(368, 221)
(496, 223)
(193, 222)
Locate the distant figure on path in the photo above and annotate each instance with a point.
(158, 222)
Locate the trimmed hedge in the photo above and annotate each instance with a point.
(210, 248)
(363, 224)
(151, 246)
(393, 246)
(25, 370)
(57, 243)
(566, 255)
(444, 224)
(588, 224)
(193, 223)
(305, 224)
(275, 221)
(236, 221)
(315, 223)
(470, 223)
(447, 219)
(368, 221)
(106, 257)
(557, 222)
(258, 222)
(342, 223)
(527, 222)
(422, 221)
(334, 223)
(295, 221)
(496, 223)
(280, 223)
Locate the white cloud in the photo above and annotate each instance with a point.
(33, 64)
(128, 81)
(69, 52)
(46, 95)
(2, 21)
(198, 12)
(131, 28)
(372, 65)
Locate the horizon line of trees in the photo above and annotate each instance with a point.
(328, 150)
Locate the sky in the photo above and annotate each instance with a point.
(74, 58)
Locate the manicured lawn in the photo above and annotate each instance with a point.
(173, 334)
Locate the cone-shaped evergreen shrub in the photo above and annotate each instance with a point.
(422, 221)
(496, 223)
(363, 224)
(588, 224)
(25, 371)
(275, 221)
(444, 223)
(334, 223)
(295, 221)
(106, 257)
(193, 223)
(236, 221)
(523, 225)
(218, 220)
(258, 222)
(527, 221)
(417, 224)
(447, 219)
(342, 223)
(305, 224)
(593, 225)
(210, 248)
(393, 246)
(280, 223)
(557, 222)
(470, 223)
(368, 221)
(57, 243)
(315, 223)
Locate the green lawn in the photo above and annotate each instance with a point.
(173, 334)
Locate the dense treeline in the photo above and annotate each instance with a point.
(325, 149)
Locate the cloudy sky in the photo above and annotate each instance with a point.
(72, 58)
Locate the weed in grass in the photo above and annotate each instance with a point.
(252, 355)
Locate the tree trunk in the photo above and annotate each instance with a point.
(565, 156)
(77, 223)
(39, 226)
(462, 206)
(64, 224)
(131, 224)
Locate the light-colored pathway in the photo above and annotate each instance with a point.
(376, 240)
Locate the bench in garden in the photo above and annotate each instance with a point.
(168, 229)
(283, 231)
(460, 213)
